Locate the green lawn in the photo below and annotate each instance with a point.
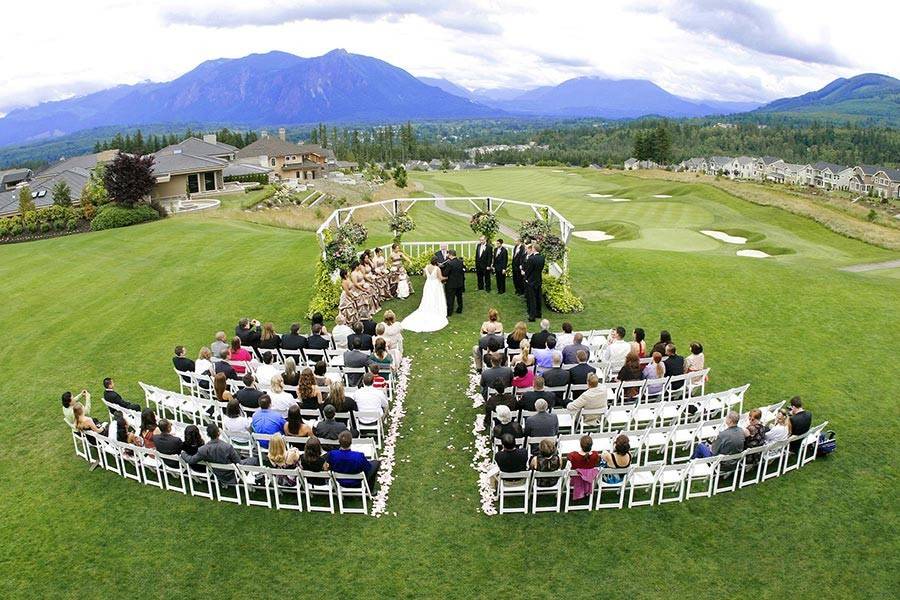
(115, 303)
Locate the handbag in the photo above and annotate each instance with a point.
(827, 443)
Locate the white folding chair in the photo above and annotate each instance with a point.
(318, 485)
(172, 470)
(671, 478)
(200, 481)
(751, 465)
(701, 469)
(656, 439)
(80, 443)
(642, 478)
(592, 414)
(774, 455)
(151, 469)
(368, 422)
(348, 490)
(226, 482)
(257, 480)
(729, 470)
(614, 481)
(810, 445)
(130, 461)
(585, 503)
(513, 485)
(684, 437)
(616, 418)
(288, 488)
(552, 486)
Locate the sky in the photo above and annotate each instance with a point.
(747, 50)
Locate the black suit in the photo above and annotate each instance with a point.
(556, 377)
(249, 337)
(455, 285)
(441, 258)
(113, 397)
(518, 258)
(166, 443)
(501, 263)
(512, 461)
(365, 341)
(223, 367)
(526, 402)
(248, 397)
(368, 327)
(539, 340)
(483, 263)
(579, 374)
(183, 363)
(293, 341)
(533, 271)
(317, 342)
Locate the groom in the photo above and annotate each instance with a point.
(454, 277)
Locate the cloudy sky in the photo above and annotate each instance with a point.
(717, 49)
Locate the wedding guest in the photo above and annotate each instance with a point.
(318, 340)
(329, 428)
(308, 393)
(345, 460)
(630, 371)
(546, 460)
(539, 339)
(338, 398)
(313, 460)
(594, 398)
(586, 457)
(518, 334)
(494, 372)
(511, 459)
(293, 340)
(654, 370)
(800, 421)
(318, 319)
(499, 397)
(638, 346)
(294, 426)
(556, 376)
(754, 431)
(265, 420)
(367, 323)
(694, 362)
(235, 425)
(620, 457)
(280, 399)
(492, 326)
(111, 396)
(542, 424)
(67, 402)
(319, 370)
(166, 443)
(181, 362)
(290, 375)
(500, 265)
(579, 373)
(570, 352)
(280, 456)
(487, 344)
(525, 356)
(779, 430)
(617, 348)
(529, 400)
(341, 332)
(370, 400)
(378, 382)
(504, 423)
(393, 335)
(364, 339)
(729, 440)
(223, 366)
(381, 357)
(674, 365)
(266, 370)
(192, 442)
(665, 338)
(248, 396)
(219, 344)
(523, 377)
(247, 331)
(204, 367)
(220, 388)
(238, 353)
(215, 451)
(268, 339)
(355, 359)
(82, 422)
(544, 356)
(566, 337)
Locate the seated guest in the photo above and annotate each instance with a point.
(220, 388)
(495, 372)
(566, 337)
(281, 400)
(511, 459)
(654, 370)
(638, 346)
(338, 399)
(318, 340)
(800, 421)
(556, 376)
(546, 460)
(249, 395)
(238, 353)
(355, 359)
(779, 430)
(181, 362)
(523, 377)
(308, 393)
(378, 382)
(204, 366)
(165, 442)
(755, 431)
(619, 458)
(730, 440)
(219, 344)
(111, 396)
(370, 400)
(329, 428)
(192, 442)
(235, 425)
(593, 398)
(345, 460)
(148, 427)
(393, 335)
(268, 339)
(341, 332)
(365, 340)
(504, 422)
(319, 371)
(493, 325)
(570, 351)
(368, 325)
(544, 356)
(525, 356)
(543, 423)
(539, 340)
(630, 371)
(280, 456)
(223, 366)
(579, 373)
(529, 399)
(68, 400)
(293, 340)
(665, 338)
(499, 397)
(266, 370)
(215, 451)
(674, 365)
(313, 460)
(695, 361)
(247, 331)
(290, 375)
(124, 431)
(487, 344)
(584, 463)
(518, 334)
(265, 420)
(82, 422)
(617, 348)
(381, 357)
(318, 319)
(295, 426)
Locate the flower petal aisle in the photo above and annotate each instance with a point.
(482, 460)
(397, 412)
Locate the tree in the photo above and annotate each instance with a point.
(26, 202)
(445, 164)
(661, 144)
(62, 194)
(128, 178)
(94, 191)
(399, 176)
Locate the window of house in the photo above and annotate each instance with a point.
(193, 183)
(209, 180)
(272, 162)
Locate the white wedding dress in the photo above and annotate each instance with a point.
(432, 312)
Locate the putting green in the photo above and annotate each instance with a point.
(676, 240)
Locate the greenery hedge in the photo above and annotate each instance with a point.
(111, 216)
(327, 295)
(559, 295)
(262, 178)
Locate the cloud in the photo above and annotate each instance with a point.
(564, 61)
(746, 24)
(465, 16)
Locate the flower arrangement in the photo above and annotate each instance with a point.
(339, 254)
(535, 230)
(400, 223)
(352, 233)
(484, 223)
(539, 231)
(388, 453)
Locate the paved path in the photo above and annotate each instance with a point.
(442, 205)
(888, 264)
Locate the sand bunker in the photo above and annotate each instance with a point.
(599, 195)
(594, 236)
(753, 253)
(558, 171)
(621, 200)
(724, 237)
(661, 196)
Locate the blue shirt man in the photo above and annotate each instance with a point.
(267, 421)
(345, 460)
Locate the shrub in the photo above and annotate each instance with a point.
(352, 233)
(59, 225)
(71, 225)
(128, 178)
(115, 215)
(16, 229)
(327, 295)
(400, 223)
(260, 178)
(46, 227)
(87, 210)
(4, 227)
(559, 295)
(32, 227)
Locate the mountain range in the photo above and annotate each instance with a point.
(277, 88)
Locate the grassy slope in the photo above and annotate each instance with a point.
(116, 302)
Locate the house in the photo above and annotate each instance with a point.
(843, 178)
(208, 146)
(719, 165)
(694, 165)
(862, 179)
(768, 167)
(179, 174)
(745, 167)
(631, 164)
(886, 183)
(10, 178)
(435, 164)
(286, 159)
(416, 165)
(41, 188)
(825, 174)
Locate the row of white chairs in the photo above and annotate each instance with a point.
(648, 484)
(251, 485)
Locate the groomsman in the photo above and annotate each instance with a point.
(518, 259)
(483, 260)
(533, 272)
(501, 263)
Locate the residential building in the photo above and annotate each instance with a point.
(238, 169)
(825, 175)
(631, 164)
(10, 178)
(719, 165)
(886, 183)
(179, 174)
(694, 165)
(208, 146)
(745, 167)
(286, 159)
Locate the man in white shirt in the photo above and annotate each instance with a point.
(370, 399)
(618, 348)
(266, 371)
(566, 337)
(340, 332)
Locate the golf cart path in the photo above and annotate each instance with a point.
(441, 205)
(888, 264)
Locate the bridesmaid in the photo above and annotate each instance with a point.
(398, 258)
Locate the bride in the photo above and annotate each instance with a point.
(432, 312)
